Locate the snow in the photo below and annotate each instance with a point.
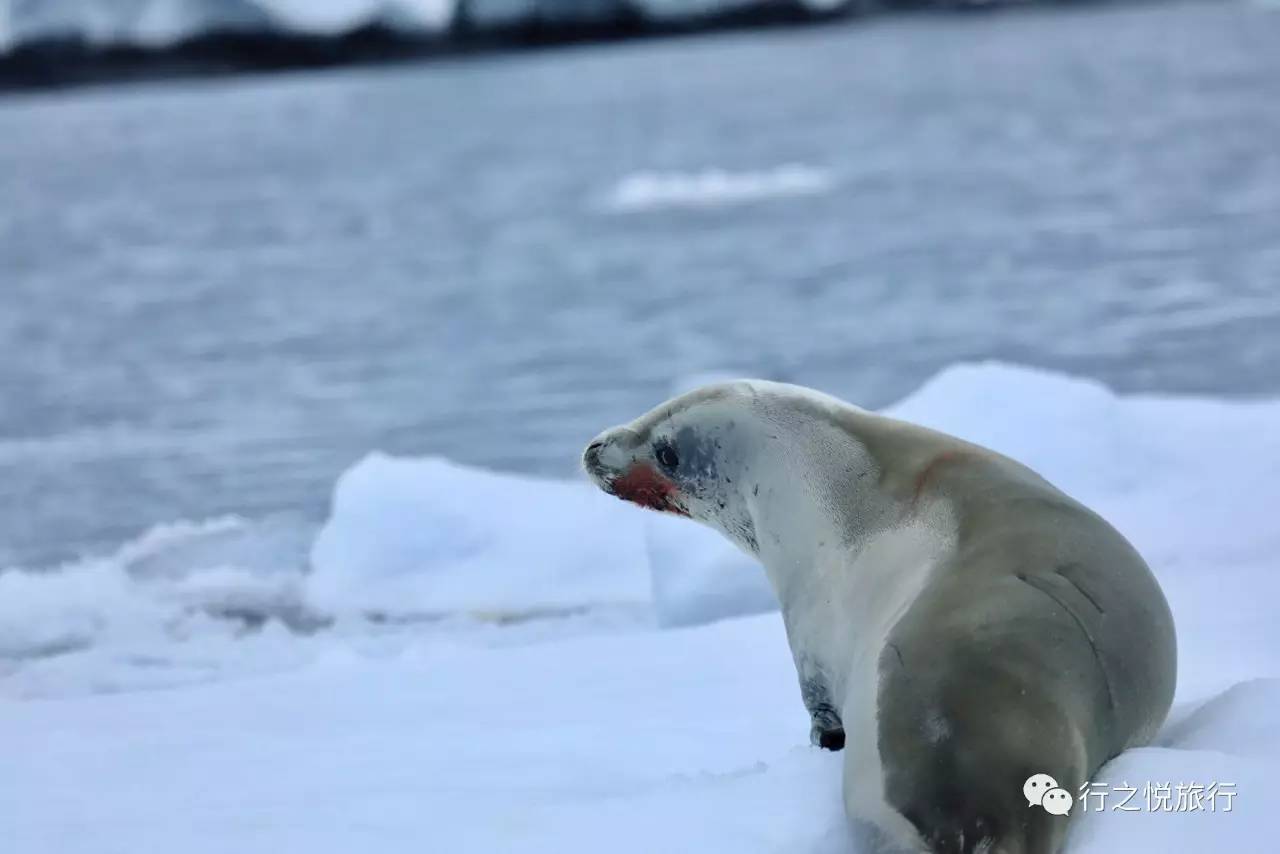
(139, 593)
(471, 661)
(148, 23)
(675, 740)
(156, 23)
(338, 16)
(711, 188)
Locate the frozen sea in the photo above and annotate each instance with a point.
(294, 372)
(218, 295)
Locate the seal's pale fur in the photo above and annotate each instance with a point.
(956, 621)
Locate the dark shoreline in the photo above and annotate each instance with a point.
(58, 63)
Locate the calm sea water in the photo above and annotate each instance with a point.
(219, 294)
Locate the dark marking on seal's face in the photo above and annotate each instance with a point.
(643, 485)
(698, 457)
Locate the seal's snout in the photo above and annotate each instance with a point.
(595, 465)
(591, 456)
(610, 453)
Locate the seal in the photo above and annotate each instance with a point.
(959, 625)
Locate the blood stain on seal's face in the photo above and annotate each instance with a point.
(643, 485)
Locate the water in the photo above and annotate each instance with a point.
(219, 294)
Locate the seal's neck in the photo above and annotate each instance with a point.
(814, 492)
(845, 557)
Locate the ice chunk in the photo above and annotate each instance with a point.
(645, 191)
(410, 537)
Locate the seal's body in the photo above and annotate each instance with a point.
(958, 624)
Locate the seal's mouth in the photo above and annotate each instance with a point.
(641, 484)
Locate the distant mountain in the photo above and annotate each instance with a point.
(58, 42)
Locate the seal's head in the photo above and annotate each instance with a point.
(690, 456)
(769, 465)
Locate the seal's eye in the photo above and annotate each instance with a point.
(667, 457)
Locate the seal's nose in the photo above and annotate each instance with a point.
(591, 456)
